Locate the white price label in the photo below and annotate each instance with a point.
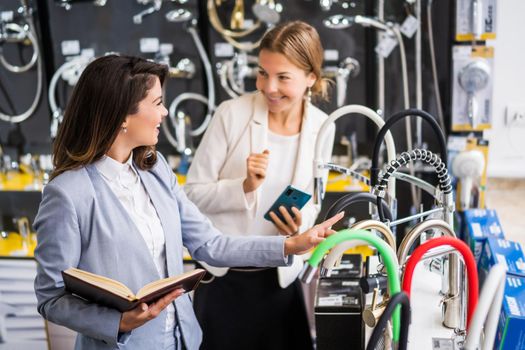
(442, 344)
(166, 49)
(70, 47)
(331, 55)
(331, 301)
(476, 230)
(385, 46)
(149, 45)
(6, 16)
(409, 26)
(223, 50)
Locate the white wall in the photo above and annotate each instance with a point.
(507, 145)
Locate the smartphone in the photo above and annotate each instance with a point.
(291, 197)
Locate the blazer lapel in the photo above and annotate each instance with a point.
(259, 125)
(304, 164)
(162, 205)
(123, 222)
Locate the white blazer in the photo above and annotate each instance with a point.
(214, 182)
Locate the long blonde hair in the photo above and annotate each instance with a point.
(300, 43)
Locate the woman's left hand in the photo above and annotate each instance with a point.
(291, 225)
(302, 243)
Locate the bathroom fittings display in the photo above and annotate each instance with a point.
(393, 31)
(177, 119)
(267, 11)
(20, 29)
(470, 263)
(347, 68)
(389, 257)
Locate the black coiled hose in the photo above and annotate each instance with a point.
(374, 171)
(418, 154)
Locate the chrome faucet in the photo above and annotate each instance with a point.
(454, 302)
(157, 4)
(347, 68)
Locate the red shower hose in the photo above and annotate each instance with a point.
(470, 262)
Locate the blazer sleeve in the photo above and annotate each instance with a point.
(59, 248)
(203, 185)
(311, 211)
(206, 243)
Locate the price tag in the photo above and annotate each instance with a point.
(223, 50)
(166, 49)
(331, 55)
(443, 344)
(149, 45)
(70, 47)
(385, 46)
(6, 16)
(331, 301)
(409, 26)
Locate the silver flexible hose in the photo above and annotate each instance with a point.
(418, 154)
(406, 101)
(54, 81)
(20, 69)
(209, 81)
(31, 34)
(434, 68)
(209, 101)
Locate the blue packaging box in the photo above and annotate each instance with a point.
(497, 250)
(480, 224)
(511, 326)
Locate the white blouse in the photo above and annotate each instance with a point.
(281, 167)
(125, 183)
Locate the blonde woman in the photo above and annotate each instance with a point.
(255, 146)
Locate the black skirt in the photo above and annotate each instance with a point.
(249, 310)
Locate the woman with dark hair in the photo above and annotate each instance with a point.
(257, 145)
(114, 208)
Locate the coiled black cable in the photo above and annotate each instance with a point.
(374, 171)
(399, 298)
(418, 154)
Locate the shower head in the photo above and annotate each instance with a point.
(179, 15)
(474, 76)
(339, 22)
(467, 166)
(267, 11)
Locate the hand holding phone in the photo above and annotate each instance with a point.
(285, 211)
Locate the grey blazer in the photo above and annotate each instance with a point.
(81, 223)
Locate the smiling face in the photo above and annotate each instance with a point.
(282, 83)
(143, 126)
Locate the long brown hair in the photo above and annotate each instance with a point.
(300, 43)
(109, 89)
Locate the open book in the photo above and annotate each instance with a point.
(108, 292)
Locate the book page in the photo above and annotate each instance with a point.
(160, 284)
(103, 282)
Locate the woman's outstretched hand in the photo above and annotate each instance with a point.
(302, 243)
